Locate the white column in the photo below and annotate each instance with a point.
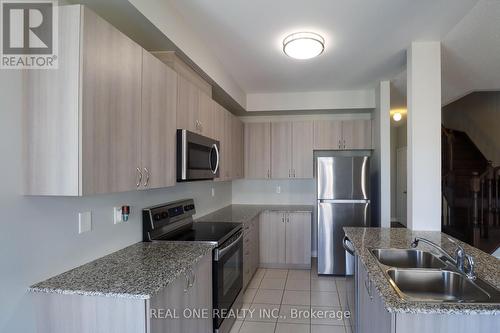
(424, 136)
(385, 154)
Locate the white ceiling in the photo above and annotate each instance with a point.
(365, 39)
(471, 53)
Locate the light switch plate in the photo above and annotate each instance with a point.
(213, 192)
(117, 215)
(84, 222)
(278, 189)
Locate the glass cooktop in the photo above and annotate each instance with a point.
(205, 232)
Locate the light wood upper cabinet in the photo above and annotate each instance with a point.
(206, 112)
(220, 135)
(114, 112)
(281, 150)
(95, 95)
(159, 104)
(302, 149)
(342, 134)
(228, 158)
(195, 108)
(111, 104)
(237, 148)
(188, 100)
(257, 150)
(327, 134)
(292, 149)
(357, 134)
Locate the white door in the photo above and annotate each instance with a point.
(401, 184)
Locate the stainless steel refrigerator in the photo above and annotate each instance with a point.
(343, 199)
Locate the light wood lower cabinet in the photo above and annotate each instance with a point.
(372, 317)
(250, 249)
(298, 239)
(192, 291)
(58, 313)
(285, 239)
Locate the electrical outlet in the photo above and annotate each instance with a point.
(213, 192)
(278, 189)
(84, 222)
(117, 215)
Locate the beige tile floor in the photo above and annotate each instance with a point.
(287, 292)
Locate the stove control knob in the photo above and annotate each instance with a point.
(157, 217)
(164, 215)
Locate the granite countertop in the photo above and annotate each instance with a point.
(363, 239)
(138, 271)
(244, 213)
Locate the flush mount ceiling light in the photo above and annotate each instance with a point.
(303, 45)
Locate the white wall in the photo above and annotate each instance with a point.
(297, 191)
(424, 136)
(317, 100)
(39, 235)
(163, 14)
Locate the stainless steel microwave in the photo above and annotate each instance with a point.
(197, 157)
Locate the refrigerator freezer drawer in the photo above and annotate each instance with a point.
(332, 217)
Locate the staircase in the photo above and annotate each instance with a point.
(470, 186)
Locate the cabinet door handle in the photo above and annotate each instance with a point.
(340, 146)
(186, 288)
(139, 177)
(293, 173)
(344, 143)
(193, 279)
(146, 181)
(268, 173)
(368, 285)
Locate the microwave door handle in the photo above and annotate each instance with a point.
(214, 147)
(220, 253)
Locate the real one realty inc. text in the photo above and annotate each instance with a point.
(255, 313)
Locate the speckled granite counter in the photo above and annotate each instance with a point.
(244, 213)
(363, 239)
(138, 271)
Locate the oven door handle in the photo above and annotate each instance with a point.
(214, 170)
(218, 254)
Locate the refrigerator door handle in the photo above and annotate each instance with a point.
(340, 201)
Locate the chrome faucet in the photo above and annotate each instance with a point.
(458, 261)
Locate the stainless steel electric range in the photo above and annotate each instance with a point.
(174, 222)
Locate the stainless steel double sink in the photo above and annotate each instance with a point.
(421, 276)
